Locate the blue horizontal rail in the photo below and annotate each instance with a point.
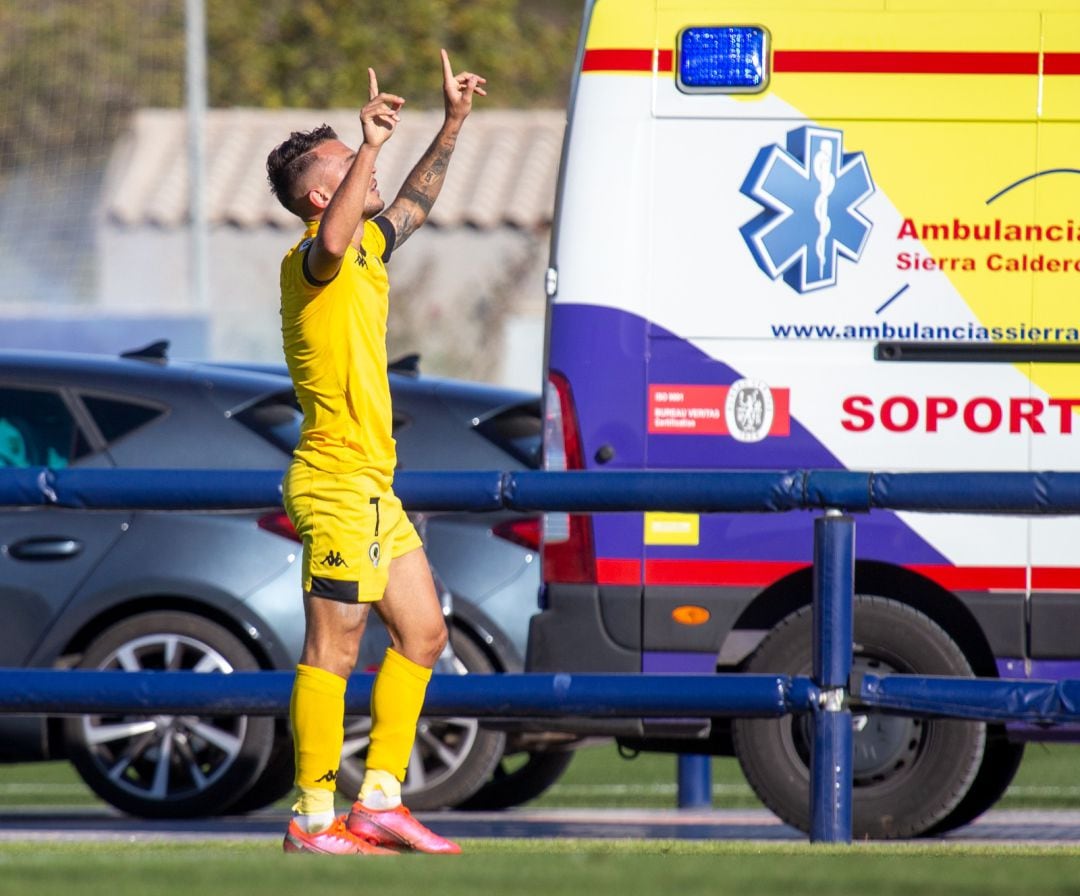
(1039, 493)
(826, 694)
(984, 699)
(76, 691)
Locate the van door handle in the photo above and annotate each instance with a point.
(34, 549)
(979, 352)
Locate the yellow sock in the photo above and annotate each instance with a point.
(317, 710)
(396, 700)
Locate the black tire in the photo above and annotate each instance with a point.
(909, 774)
(169, 766)
(452, 758)
(518, 778)
(277, 779)
(1001, 761)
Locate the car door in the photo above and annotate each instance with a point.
(45, 552)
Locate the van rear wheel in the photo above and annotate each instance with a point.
(909, 774)
(1000, 763)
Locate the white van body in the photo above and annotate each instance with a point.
(826, 234)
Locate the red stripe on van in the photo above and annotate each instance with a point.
(615, 571)
(1061, 64)
(628, 60)
(761, 573)
(718, 572)
(1055, 578)
(857, 62)
(907, 63)
(975, 578)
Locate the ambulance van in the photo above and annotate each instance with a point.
(825, 234)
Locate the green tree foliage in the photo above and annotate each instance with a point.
(283, 53)
(71, 70)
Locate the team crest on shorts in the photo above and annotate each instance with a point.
(748, 410)
(374, 552)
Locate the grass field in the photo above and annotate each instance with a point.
(541, 868)
(599, 777)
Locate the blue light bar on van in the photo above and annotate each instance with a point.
(728, 59)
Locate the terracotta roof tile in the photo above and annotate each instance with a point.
(503, 172)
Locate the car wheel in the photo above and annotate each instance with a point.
(277, 779)
(518, 778)
(1001, 761)
(908, 774)
(451, 758)
(169, 766)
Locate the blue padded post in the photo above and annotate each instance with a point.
(831, 751)
(695, 781)
(834, 599)
(830, 778)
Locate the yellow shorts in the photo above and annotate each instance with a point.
(351, 526)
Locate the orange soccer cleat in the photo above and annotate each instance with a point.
(397, 829)
(334, 840)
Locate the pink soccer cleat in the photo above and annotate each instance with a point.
(335, 840)
(397, 829)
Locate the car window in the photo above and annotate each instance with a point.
(37, 430)
(118, 418)
(517, 431)
(276, 418)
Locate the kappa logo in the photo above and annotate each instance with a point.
(333, 558)
(810, 192)
(329, 777)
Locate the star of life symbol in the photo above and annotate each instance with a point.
(749, 410)
(810, 192)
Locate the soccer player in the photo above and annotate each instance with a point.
(359, 546)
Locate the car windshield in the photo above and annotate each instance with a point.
(276, 418)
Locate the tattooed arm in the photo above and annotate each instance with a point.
(413, 203)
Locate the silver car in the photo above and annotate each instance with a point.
(216, 592)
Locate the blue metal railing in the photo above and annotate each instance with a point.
(825, 694)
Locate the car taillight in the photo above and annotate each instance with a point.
(279, 523)
(568, 554)
(525, 532)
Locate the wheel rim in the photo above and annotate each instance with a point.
(440, 748)
(883, 747)
(164, 757)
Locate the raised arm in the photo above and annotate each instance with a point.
(345, 207)
(413, 203)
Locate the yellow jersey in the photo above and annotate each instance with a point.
(334, 335)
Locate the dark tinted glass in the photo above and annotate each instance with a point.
(118, 418)
(276, 418)
(36, 430)
(517, 431)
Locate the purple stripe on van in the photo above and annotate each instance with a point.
(672, 663)
(609, 358)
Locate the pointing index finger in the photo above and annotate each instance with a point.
(373, 84)
(448, 72)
